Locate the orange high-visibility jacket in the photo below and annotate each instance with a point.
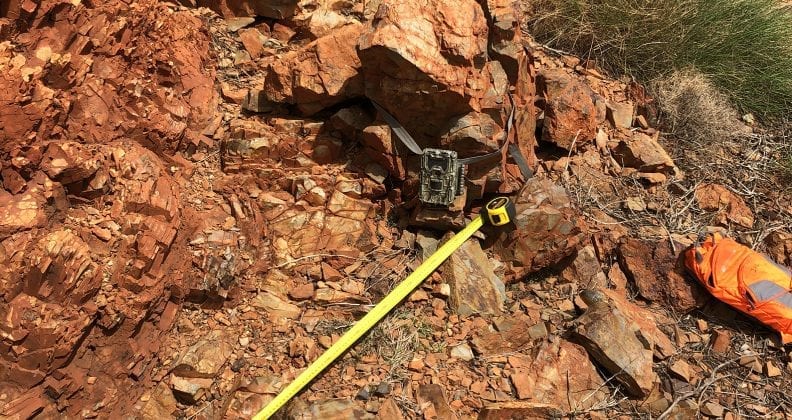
(745, 279)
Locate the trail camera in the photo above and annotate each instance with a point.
(442, 177)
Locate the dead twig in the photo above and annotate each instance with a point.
(699, 390)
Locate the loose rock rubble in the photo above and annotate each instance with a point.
(196, 203)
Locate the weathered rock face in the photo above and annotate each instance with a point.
(547, 229)
(318, 75)
(504, 34)
(475, 288)
(91, 227)
(560, 372)
(657, 274)
(57, 273)
(570, 114)
(610, 338)
(276, 9)
(57, 70)
(730, 206)
(424, 78)
(441, 87)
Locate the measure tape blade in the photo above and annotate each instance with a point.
(370, 319)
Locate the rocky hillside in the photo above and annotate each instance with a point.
(196, 203)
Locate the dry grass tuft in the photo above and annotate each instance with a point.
(694, 109)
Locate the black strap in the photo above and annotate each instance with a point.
(400, 131)
(504, 138)
(519, 159)
(409, 141)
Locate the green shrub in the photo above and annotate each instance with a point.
(743, 46)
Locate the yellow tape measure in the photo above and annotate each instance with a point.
(498, 212)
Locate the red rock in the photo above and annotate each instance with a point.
(21, 212)
(779, 244)
(504, 37)
(433, 397)
(511, 337)
(570, 116)
(620, 114)
(330, 296)
(658, 274)
(682, 369)
(771, 370)
(302, 292)
(560, 374)
(416, 365)
(520, 410)
(721, 341)
(644, 153)
(731, 207)
(253, 41)
(425, 64)
(161, 403)
(585, 269)
(12, 181)
(648, 323)
(276, 306)
(282, 32)
(547, 229)
(712, 409)
(103, 234)
(525, 112)
(389, 410)
(475, 288)
(320, 74)
(617, 277)
(233, 94)
(330, 410)
(190, 390)
(610, 338)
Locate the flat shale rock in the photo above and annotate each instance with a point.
(644, 153)
(560, 372)
(206, 357)
(611, 340)
(330, 410)
(475, 288)
(526, 410)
